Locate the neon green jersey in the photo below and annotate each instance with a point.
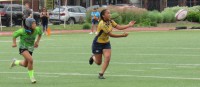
(27, 41)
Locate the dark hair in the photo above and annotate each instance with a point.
(102, 13)
(27, 3)
(44, 9)
(28, 30)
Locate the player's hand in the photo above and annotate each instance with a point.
(131, 23)
(36, 44)
(125, 34)
(14, 45)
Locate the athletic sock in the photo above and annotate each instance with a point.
(30, 73)
(17, 62)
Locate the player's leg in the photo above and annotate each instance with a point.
(97, 59)
(27, 55)
(92, 29)
(107, 57)
(16, 62)
(97, 50)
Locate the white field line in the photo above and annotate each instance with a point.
(159, 68)
(5, 41)
(137, 70)
(48, 76)
(121, 63)
(16, 78)
(144, 54)
(79, 74)
(186, 66)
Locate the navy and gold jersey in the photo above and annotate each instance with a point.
(103, 29)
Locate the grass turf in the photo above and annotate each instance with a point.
(143, 59)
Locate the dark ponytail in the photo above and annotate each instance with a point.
(102, 13)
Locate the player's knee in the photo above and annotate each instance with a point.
(98, 63)
(30, 61)
(107, 59)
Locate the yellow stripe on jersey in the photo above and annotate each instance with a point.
(103, 29)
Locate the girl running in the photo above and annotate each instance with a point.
(26, 45)
(101, 44)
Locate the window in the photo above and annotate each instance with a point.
(15, 8)
(1, 7)
(71, 10)
(76, 10)
(57, 9)
(82, 10)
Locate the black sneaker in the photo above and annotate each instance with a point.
(91, 60)
(101, 76)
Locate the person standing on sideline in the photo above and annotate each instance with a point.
(26, 45)
(95, 15)
(44, 15)
(101, 43)
(27, 13)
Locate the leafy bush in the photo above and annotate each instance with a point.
(193, 16)
(86, 26)
(155, 16)
(168, 16)
(116, 17)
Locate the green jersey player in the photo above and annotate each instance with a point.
(27, 44)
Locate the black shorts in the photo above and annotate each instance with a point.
(94, 21)
(22, 50)
(97, 48)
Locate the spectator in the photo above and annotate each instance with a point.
(44, 15)
(27, 13)
(95, 15)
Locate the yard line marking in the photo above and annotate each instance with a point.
(121, 63)
(5, 41)
(120, 75)
(144, 54)
(16, 78)
(186, 66)
(48, 76)
(181, 48)
(159, 68)
(137, 70)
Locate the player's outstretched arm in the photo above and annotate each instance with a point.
(14, 43)
(122, 27)
(37, 41)
(118, 35)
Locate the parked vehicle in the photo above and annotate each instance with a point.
(5, 12)
(70, 14)
(124, 5)
(96, 6)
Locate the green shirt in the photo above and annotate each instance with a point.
(27, 41)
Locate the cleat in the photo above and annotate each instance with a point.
(33, 81)
(101, 76)
(13, 63)
(91, 60)
(91, 33)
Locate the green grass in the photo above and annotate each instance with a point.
(143, 59)
(80, 26)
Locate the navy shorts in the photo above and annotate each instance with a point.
(22, 50)
(97, 48)
(94, 21)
